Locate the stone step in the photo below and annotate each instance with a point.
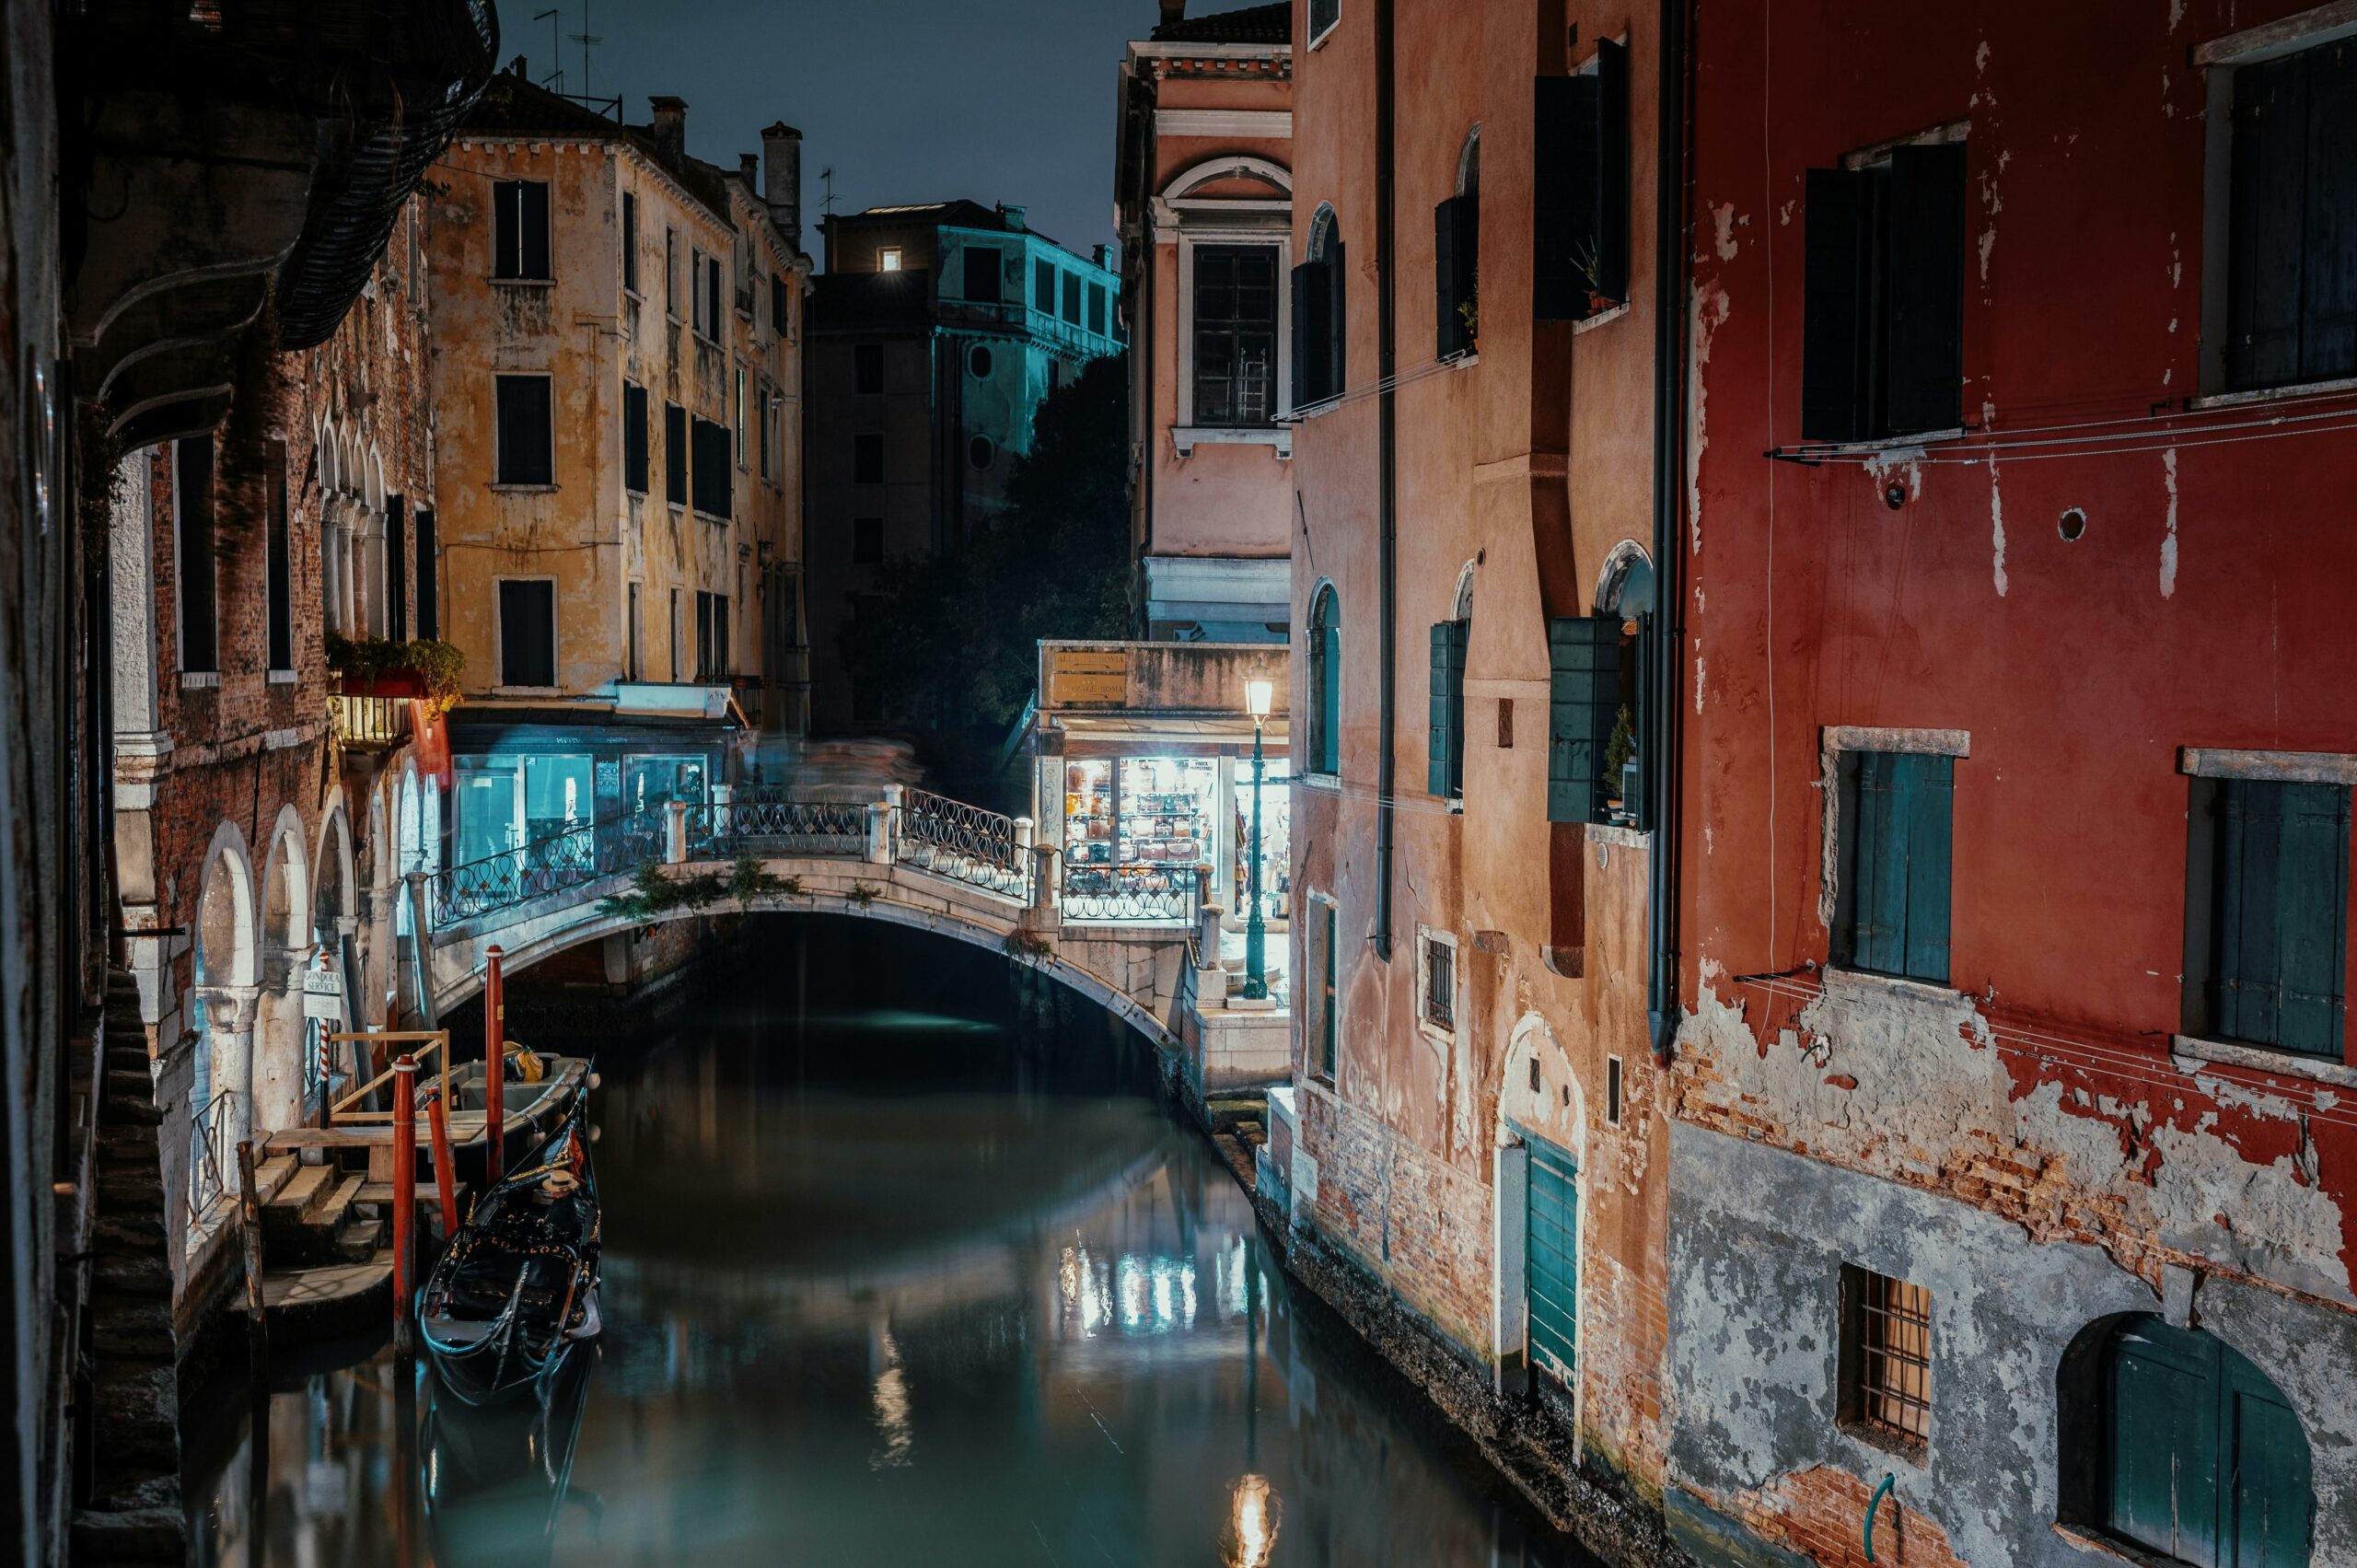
(127, 1332)
(296, 1202)
(130, 1535)
(130, 1059)
(130, 1090)
(144, 1276)
(119, 1491)
(116, 1233)
(126, 1189)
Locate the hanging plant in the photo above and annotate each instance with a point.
(421, 667)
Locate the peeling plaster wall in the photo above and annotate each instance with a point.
(1759, 1236)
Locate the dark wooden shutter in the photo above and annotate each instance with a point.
(1925, 298)
(1552, 1256)
(2282, 917)
(2328, 268)
(507, 228)
(629, 241)
(193, 560)
(1838, 213)
(2161, 1420)
(281, 566)
(1930, 796)
(1584, 659)
(1563, 196)
(1444, 759)
(675, 454)
(1873, 832)
(535, 217)
(2270, 1504)
(1612, 171)
(429, 603)
(714, 483)
(396, 573)
(1303, 284)
(1337, 362)
(634, 449)
(527, 633)
(1456, 253)
(704, 635)
(525, 453)
(2268, 199)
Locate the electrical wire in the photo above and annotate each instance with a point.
(1969, 451)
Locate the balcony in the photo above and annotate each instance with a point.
(370, 723)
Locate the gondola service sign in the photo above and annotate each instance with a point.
(323, 992)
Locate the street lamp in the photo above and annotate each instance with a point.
(1257, 695)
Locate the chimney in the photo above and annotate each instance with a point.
(1173, 11)
(670, 128)
(749, 169)
(781, 179)
(1098, 254)
(1011, 216)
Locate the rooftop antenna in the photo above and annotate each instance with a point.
(554, 80)
(827, 174)
(585, 38)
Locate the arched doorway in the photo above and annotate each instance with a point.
(280, 1032)
(2174, 1442)
(222, 987)
(1542, 1140)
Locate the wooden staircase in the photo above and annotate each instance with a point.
(135, 1512)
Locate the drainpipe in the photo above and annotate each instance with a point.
(1387, 484)
(1670, 578)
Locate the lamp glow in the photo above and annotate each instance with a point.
(1259, 697)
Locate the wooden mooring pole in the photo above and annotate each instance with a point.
(446, 1175)
(249, 1222)
(404, 1194)
(494, 1067)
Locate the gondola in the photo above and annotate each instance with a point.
(517, 1285)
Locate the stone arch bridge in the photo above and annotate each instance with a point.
(908, 855)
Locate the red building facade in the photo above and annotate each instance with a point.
(2013, 1141)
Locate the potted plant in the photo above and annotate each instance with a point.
(1620, 749)
(421, 670)
(1585, 262)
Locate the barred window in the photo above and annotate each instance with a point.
(1886, 1355)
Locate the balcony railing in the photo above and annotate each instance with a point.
(369, 724)
(551, 865)
(767, 822)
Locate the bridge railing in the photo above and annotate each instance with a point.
(1155, 892)
(551, 865)
(964, 842)
(766, 820)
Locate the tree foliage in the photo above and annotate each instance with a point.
(961, 630)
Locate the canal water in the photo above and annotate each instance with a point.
(897, 1272)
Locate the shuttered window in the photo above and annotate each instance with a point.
(281, 566)
(1882, 310)
(527, 633)
(429, 604)
(714, 482)
(1551, 1254)
(2292, 245)
(527, 448)
(1326, 681)
(1071, 311)
(1323, 926)
(2279, 914)
(2204, 1459)
(396, 580)
(1445, 750)
(1317, 327)
(194, 563)
(634, 449)
(630, 241)
(675, 454)
(1584, 660)
(519, 240)
(1579, 203)
(711, 316)
(1457, 249)
(1235, 332)
(1893, 898)
(781, 311)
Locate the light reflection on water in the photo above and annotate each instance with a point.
(904, 1295)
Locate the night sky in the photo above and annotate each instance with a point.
(909, 101)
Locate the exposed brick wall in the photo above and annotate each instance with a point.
(1821, 1513)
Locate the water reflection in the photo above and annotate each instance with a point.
(953, 1294)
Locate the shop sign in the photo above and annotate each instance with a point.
(323, 992)
(1078, 677)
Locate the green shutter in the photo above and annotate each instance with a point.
(2269, 1498)
(1330, 1023)
(1326, 680)
(1550, 1258)
(1898, 822)
(2164, 1480)
(1930, 798)
(1445, 753)
(2281, 924)
(1583, 657)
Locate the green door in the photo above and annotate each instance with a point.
(1551, 1252)
(2208, 1462)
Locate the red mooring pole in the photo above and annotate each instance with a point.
(404, 1191)
(494, 1068)
(446, 1175)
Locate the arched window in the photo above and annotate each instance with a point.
(1326, 681)
(2174, 1442)
(1457, 257)
(1444, 761)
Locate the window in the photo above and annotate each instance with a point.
(1325, 729)
(429, 604)
(888, 259)
(1882, 300)
(2267, 913)
(1323, 15)
(630, 241)
(1043, 286)
(396, 585)
(1235, 334)
(1612, 1079)
(979, 363)
(744, 452)
(867, 458)
(1072, 297)
(2174, 1441)
(635, 463)
(1886, 1384)
(1456, 250)
(711, 316)
(280, 566)
(1436, 980)
(635, 645)
(1318, 316)
(2291, 302)
(193, 563)
(714, 489)
(781, 313)
(1445, 758)
(528, 632)
(766, 402)
(712, 636)
(1891, 905)
(984, 268)
(980, 450)
(1097, 307)
(416, 269)
(520, 230)
(1580, 219)
(675, 454)
(671, 273)
(867, 541)
(867, 368)
(526, 453)
(1584, 706)
(679, 655)
(1324, 963)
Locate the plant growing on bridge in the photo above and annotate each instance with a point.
(752, 881)
(652, 893)
(863, 894)
(1028, 947)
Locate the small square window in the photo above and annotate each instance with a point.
(889, 260)
(1886, 1356)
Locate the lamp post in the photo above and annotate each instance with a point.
(1257, 695)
